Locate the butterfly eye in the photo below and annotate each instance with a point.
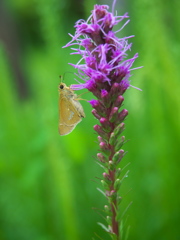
(61, 86)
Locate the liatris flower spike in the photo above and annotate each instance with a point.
(105, 70)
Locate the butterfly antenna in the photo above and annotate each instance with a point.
(61, 78)
(65, 73)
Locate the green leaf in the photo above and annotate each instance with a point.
(103, 226)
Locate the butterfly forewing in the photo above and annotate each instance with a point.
(70, 111)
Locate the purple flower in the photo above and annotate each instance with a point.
(103, 54)
(105, 69)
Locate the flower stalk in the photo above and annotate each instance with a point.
(105, 70)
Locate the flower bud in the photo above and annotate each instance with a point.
(105, 98)
(122, 115)
(100, 139)
(109, 220)
(111, 165)
(106, 177)
(96, 115)
(112, 138)
(117, 173)
(105, 124)
(104, 147)
(119, 143)
(118, 101)
(96, 104)
(113, 114)
(105, 185)
(117, 184)
(113, 195)
(107, 209)
(100, 131)
(114, 92)
(101, 157)
(118, 156)
(119, 129)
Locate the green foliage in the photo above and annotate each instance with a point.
(46, 187)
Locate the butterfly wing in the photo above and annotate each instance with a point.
(70, 114)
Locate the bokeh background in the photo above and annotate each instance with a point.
(48, 182)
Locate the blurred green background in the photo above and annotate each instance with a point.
(48, 182)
